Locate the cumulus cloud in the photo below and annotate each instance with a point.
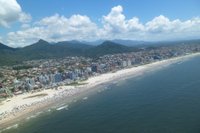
(25, 17)
(115, 22)
(55, 28)
(10, 11)
(173, 29)
(114, 26)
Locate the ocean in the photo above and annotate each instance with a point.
(165, 100)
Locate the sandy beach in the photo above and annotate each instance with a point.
(22, 105)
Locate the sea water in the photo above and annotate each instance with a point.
(166, 100)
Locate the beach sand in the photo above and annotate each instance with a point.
(21, 106)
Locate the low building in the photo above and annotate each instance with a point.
(58, 77)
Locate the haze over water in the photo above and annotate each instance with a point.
(162, 101)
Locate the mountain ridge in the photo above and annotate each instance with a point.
(45, 50)
(5, 47)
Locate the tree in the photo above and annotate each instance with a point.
(1, 75)
(60, 70)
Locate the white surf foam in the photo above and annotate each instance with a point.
(85, 98)
(62, 107)
(33, 116)
(10, 127)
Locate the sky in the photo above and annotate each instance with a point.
(23, 22)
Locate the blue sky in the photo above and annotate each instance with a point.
(145, 9)
(98, 19)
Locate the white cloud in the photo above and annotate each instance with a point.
(10, 11)
(134, 25)
(55, 28)
(25, 26)
(24, 17)
(62, 28)
(115, 21)
(158, 24)
(164, 28)
(114, 26)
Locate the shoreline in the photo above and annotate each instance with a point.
(20, 107)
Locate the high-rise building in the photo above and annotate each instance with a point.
(58, 77)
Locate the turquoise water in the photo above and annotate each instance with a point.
(162, 101)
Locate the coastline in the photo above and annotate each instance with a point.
(23, 105)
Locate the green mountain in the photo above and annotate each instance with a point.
(108, 47)
(44, 50)
(7, 55)
(74, 44)
(4, 47)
